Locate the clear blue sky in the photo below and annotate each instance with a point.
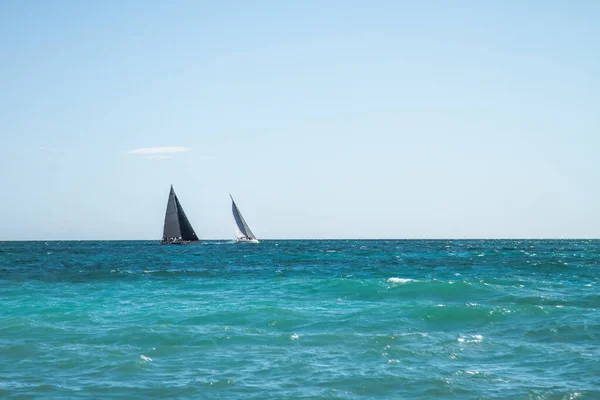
(324, 119)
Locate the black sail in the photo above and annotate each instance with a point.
(172, 228)
(187, 232)
(177, 226)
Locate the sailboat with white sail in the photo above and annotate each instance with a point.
(243, 232)
(177, 229)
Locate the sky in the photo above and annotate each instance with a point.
(323, 119)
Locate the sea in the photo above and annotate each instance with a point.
(307, 319)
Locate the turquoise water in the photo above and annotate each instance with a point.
(301, 319)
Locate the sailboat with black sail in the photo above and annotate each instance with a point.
(243, 232)
(178, 229)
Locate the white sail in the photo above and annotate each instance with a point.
(243, 232)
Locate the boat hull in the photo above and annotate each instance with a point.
(247, 241)
(179, 241)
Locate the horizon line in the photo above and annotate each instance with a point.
(302, 239)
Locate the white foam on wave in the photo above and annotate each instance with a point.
(295, 336)
(147, 359)
(470, 338)
(400, 281)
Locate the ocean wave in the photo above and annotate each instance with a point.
(400, 281)
(375, 319)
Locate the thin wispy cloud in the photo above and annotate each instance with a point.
(165, 150)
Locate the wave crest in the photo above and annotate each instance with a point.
(400, 281)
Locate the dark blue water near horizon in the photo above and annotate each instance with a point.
(328, 319)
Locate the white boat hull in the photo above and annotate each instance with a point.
(244, 240)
